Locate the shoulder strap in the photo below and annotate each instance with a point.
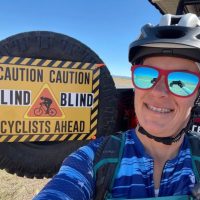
(194, 140)
(106, 161)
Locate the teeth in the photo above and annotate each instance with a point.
(160, 110)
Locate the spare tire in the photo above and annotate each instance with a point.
(43, 159)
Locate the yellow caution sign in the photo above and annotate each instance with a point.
(47, 100)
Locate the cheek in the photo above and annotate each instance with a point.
(185, 105)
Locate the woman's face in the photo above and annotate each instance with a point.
(175, 110)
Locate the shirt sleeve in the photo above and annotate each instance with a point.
(75, 179)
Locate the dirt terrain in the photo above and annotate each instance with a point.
(122, 82)
(13, 187)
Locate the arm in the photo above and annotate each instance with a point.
(75, 178)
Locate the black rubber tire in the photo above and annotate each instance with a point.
(43, 159)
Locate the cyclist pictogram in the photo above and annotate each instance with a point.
(45, 107)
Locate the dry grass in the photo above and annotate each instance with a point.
(13, 187)
(122, 82)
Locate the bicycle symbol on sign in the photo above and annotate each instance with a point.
(45, 107)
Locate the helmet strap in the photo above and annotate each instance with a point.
(164, 140)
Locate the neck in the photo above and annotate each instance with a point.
(159, 151)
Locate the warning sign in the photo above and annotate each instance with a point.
(47, 100)
(45, 105)
(15, 97)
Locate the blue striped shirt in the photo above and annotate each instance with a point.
(75, 180)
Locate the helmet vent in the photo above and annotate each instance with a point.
(175, 20)
(169, 34)
(198, 36)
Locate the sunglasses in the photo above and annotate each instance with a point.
(180, 83)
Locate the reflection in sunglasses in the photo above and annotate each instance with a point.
(153, 80)
(179, 83)
(187, 90)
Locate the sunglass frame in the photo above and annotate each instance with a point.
(165, 73)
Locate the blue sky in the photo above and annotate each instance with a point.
(106, 26)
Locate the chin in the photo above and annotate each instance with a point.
(158, 130)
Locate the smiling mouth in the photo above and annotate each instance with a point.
(159, 110)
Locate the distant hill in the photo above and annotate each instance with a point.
(122, 81)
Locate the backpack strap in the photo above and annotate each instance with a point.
(194, 141)
(106, 163)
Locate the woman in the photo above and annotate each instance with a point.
(155, 159)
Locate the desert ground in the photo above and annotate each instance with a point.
(122, 82)
(13, 187)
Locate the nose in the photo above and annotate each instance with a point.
(160, 88)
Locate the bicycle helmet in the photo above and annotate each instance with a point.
(175, 35)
